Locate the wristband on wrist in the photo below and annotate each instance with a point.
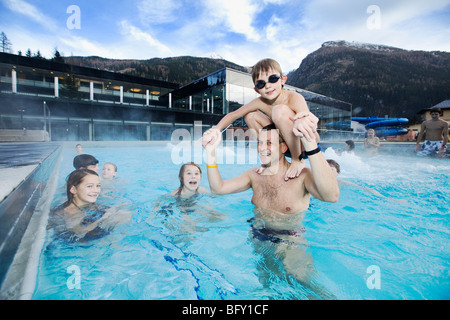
(305, 154)
(214, 166)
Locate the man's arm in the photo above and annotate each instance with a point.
(444, 137)
(320, 180)
(216, 183)
(419, 137)
(209, 136)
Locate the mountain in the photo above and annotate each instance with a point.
(378, 80)
(179, 70)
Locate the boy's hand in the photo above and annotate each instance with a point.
(211, 138)
(305, 125)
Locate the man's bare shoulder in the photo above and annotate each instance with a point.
(435, 123)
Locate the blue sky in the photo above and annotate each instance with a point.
(242, 31)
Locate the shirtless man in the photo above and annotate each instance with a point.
(280, 202)
(435, 131)
(271, 189)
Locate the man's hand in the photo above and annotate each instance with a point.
(210, 137)
(305, 125)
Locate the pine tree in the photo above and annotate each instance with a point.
(5, 43)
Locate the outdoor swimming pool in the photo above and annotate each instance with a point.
(362, 247)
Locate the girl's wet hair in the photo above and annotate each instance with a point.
(74, 180)
(183, 167)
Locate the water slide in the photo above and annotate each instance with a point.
(384, 126)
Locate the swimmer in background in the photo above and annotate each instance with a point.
(336, 168)
(190, 175)
(349, 146)
(86, 161)
(372, 142)
(109, 171)
(111, 187)
(80, 217)
(79, 149)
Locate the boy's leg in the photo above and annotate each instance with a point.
(281, 116)
(257, 120)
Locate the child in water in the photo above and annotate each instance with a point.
(80, 218)
(190, 175)
(109, 171)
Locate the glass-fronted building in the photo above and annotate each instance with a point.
(74, 103)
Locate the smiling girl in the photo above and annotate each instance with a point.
(190, 175)
(80, 217)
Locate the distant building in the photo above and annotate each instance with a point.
(74, 103)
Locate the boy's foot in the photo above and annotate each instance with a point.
(294, 170)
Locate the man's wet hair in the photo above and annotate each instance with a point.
(273, 127)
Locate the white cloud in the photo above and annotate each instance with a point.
(242, 31)
(142, 40)
(237, 15)
(79, 46)
(32, 12)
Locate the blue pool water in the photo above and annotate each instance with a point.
(362, 247)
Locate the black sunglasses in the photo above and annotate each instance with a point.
(272, 79)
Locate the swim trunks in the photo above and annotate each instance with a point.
(276, 236)
(430, 147)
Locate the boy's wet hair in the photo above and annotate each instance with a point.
(351, 144)
(84, 160)
(264, 66)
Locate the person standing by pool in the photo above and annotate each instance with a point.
(286, 109)
(435, 131)
(371, 142)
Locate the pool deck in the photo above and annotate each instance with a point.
(17, 162)
(23, 180)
